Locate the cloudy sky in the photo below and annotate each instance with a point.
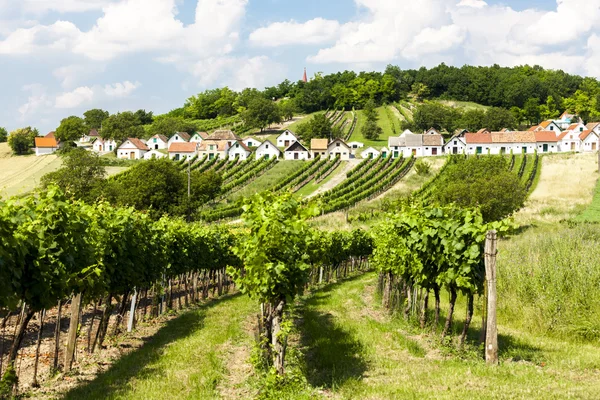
(62, 57)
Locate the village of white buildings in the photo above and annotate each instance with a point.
(565, 134)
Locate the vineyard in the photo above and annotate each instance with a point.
(77, 278)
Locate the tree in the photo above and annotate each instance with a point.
(275, 265)
(81, 176)
(20, 140)
(121, 126)
(485, 183)
(261, 113)
(370, 130)
(532, 110)
(169, 125)
(287, 109)
(318, 127)
(71, 129)
(94, 118)
(145, 118)
(497, 118)
(370, 112)
(420, 91)
(3, 135)
(165, 192)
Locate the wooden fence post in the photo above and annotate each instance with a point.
(132, 310)
(72, 335)
(491, 337)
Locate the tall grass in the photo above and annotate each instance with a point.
(549, 281)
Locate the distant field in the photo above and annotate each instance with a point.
(385, 124)
(466, 105)
(21, 174)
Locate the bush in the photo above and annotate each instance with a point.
(423, 167)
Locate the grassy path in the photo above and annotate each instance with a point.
(194, 356)
(352, 349)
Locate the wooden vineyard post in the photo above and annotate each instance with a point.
(491, 337)
(132, 310)
(598, 160)
(72, 335)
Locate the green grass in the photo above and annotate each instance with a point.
(592, 212)
(465, 105)
(305, 118)
(186, 359)
(311, 186)
(350, 348)
(269, 178)
(383, 122)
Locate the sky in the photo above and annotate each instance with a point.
(62, 57)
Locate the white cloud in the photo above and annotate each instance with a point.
(121, 89)
(81, 95)
(472, 3)
(62, 6)
(431, 41)
(315, 31)
(38, 101)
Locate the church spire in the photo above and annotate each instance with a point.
(304, 78)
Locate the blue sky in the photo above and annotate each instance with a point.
(62, 57)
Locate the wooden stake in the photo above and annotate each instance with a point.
(491, 339)
(72, 335)
(132, 310)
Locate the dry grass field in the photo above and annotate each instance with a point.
(566, 185)
(21, 174)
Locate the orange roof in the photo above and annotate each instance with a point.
(483, 130)
(478, 138)
(572, 127)
(47, 142)
(545, 136)
(513, 137)
(533, 128)
(562, 135)
(318, 144)
(585, 134)
(50, 134)
(545, 124)
(138, 143)
(182, 147)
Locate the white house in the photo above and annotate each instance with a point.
(339, 148)
(577, 127)
(370, 153)
(182, 150)
(251, 142)
(45, 145)
(239, 150)
(318, 147)
(158, 142)
(456, 145)
(213, 149)
(589, 140)
(267, 150)
(104, 145)
(296, 151)
(548, 125)
(154, 154)
(198, 137)
(179, 137)
(356, 145)
(385, 152)
(133, 149)
(432, 131)
(546, 141)
(569, 141)
(527, 142)
(223, 135)
(433, 144)
(90, 136)
(286, 139)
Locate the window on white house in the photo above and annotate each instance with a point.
(551, 128)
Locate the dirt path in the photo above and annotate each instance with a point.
(337, 179)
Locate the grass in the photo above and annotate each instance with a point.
(350, 348)
(268, 179)
(311, 186)
(188, 358)
(383, 122)
(465, 105)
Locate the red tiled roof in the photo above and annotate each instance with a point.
(533, 128)
(93, 133)
(483, 130)
(476, 138)
(182, 147)
(572, 127)
(513, 137)
(545, 124)
(545, 136)
(161, 137)
(50, 134)
(562, 135)
(46, 142)
(138, 143)
(583, 135)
